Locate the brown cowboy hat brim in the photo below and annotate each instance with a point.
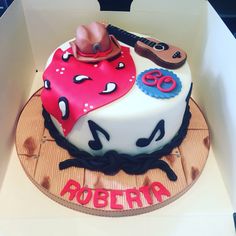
(114, 51)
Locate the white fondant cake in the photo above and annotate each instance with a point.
(120, 109)
(133, 116)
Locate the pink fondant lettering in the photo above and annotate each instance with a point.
(133, 195)
(71, 187)
(166, 79)
(100, 198)
(84, 195)
(151, 78)
(155, 78)
(159, 190)
(145, 190)
(114, 195)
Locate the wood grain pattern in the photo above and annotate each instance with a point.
(32, 127)
(193, 148)
(197, 120)
(40, 157)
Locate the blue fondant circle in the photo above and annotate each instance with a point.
(153, 91)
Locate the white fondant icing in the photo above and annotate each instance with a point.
(121, 65)
(62, 107)
(80, 78)
(46, 84)
(110, 87)
(66, 55)
(133, 116)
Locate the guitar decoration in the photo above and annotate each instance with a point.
(95, 128)
(143, 142)
(161, 53)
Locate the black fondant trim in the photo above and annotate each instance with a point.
(112, 162)
(234, 217)
(189, 93)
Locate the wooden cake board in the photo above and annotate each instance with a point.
(40, 157)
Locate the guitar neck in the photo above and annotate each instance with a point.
(126, 37)
(161, 53)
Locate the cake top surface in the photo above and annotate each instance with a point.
(77, 88)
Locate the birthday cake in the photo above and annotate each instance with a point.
(116, 101)
(114, 131)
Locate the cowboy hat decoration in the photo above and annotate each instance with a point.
(94, 44)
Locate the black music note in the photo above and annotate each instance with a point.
(94, 128)
(143, 142)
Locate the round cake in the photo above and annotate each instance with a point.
(122, 111)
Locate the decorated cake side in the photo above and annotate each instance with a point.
(116, 104)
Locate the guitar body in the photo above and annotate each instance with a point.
(162, 54)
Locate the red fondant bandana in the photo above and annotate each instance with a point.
(73, 88)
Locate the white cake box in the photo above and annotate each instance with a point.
(30, 31)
